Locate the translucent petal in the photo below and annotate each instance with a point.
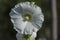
(38, 20)
(15, 17)
(14, 14)
(18, 9)
(27, 6)
(34, 35)
(19, 25)
(19, 36)
(29, 28)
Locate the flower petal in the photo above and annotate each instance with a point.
(14, 14)
(19, 25)
(18, 9)
(27, 6)
(38, 20)
(34, 35)
(19, 36)
(29, 28)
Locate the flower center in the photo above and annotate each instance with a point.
(27, 16)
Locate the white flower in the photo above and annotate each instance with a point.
(27, 18)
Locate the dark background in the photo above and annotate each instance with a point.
(6, 27)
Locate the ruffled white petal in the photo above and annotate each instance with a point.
(19, 36)
(18, 9)
(29, 28)
(38, 20)
(19, 25)
(14, 17)
(34, 35)
(27, 6)
(14, 14)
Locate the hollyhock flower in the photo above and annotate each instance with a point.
(27, 18)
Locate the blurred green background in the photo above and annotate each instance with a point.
(6, 27)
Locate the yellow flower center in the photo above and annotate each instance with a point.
(27, 16)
